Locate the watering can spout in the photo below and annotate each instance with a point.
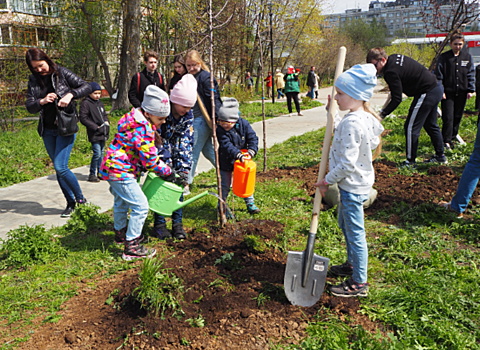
(179, 204)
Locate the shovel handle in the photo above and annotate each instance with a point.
(326, 141)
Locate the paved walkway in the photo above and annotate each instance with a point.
(40, 201)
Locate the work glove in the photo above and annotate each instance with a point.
(170, 178)
(183, 179)
(241, 157)
(252, 153)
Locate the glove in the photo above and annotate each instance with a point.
(240, 157)
(183, 179)
(251, 152)
(171, 177)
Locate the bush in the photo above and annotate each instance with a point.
(29, 245)
(86, 218)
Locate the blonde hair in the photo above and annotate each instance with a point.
(369, 109)
(194, 55)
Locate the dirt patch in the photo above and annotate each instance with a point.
(226, 295)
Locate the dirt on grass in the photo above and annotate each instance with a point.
(239, 301)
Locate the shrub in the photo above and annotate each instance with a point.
(85, 218)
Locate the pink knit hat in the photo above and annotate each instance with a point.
(184, 93)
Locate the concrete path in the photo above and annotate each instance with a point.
(40, 201)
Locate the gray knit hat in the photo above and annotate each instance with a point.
(229, 111)
(155, 101)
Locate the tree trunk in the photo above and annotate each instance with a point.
(129, 56)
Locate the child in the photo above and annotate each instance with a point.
(94, 117)
(350, 166)
(234, 134)
(132, 148)
(177, 135)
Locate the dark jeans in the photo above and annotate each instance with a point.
(452, 113)
(97, 157)
(59, 148)
(293, 95)
(280, 93)
(423, 113)
(177, 216)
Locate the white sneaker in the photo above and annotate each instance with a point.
(186, 191)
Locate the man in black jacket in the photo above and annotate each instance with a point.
(405, 75)
(148, 76)
(311, 80)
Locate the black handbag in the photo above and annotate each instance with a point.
(67, 119)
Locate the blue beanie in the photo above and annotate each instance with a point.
(95, 86)
(358, 82)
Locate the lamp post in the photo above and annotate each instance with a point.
(271, 51)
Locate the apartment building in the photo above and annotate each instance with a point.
(401, 17)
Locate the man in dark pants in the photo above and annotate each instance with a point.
(405, 75)
(311, 82)
(148, 76)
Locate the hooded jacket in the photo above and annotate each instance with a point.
(132, 148)
(93, 116)
(350, 157)
(67, 82)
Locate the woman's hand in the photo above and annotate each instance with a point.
(323, 186)
(469, 95)
(48, 99)
(65, 101)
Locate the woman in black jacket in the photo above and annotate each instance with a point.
(50, 84)
(456, 71)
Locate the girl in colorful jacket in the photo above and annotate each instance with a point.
(133, 149)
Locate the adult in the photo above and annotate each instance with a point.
(292, 88)
(179, 70)
(48, 86)
(202, 111)
(249, 82)
(269, 80)
(455, 70)
(148, 76)
(405, 75)
(311, 82)
(279, 83)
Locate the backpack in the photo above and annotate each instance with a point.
(138, 81)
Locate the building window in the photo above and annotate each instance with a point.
(4, 35)
(25, 36)
(3, 4)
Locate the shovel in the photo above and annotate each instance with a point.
(306, 272)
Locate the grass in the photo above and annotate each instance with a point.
(423, 274)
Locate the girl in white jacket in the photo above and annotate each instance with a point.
(351, 168)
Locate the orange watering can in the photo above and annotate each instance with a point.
(244, 176)
(164, 197)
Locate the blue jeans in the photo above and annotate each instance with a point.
(127, 195)
(280, 93)
(351, 222)
(59, 149)
(97, 157)
(468, 181)
(177, 216)
(226, 182)
(202, 142)
(311, 92)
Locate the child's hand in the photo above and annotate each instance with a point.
(323, 186)
(241, 157)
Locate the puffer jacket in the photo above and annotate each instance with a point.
(132, 148)
(93, 116)
(177, 142)
(231, 142)
(67, 82)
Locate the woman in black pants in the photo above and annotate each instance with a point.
(292, 88)
(456, 71)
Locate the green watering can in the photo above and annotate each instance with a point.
(164, 197)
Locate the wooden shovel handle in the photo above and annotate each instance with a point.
(327, 140)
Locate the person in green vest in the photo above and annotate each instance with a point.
(292, 88)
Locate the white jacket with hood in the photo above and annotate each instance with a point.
(350, 157)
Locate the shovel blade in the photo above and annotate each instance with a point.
(309, 294)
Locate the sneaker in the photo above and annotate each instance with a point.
(134, 250)
(120, 235)
(161, 232)
(252, 208)
(178, 231)
(186, 190)
(68, 210)
(93, 178)
(343, 270)
(448, 206)
(437, 159)
(82, 201)
(350, 288)
(300, 114)
(408, 165)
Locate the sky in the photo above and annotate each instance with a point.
(339, 6)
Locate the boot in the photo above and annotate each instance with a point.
(161, 232)
(120, 235)
(134, 250)
(178, 231)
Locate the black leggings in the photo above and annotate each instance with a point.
(293, 95)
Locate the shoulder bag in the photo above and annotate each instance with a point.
(67, 119)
